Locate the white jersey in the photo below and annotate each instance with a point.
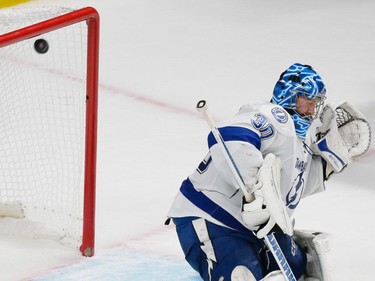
(211, 191)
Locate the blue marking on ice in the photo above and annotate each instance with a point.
(123, 264)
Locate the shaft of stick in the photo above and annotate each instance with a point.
(278, 254)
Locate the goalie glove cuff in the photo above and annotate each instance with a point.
(332, 149)
(327, 170)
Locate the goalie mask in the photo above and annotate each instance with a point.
(300, 81)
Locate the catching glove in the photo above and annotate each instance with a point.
(344, 135)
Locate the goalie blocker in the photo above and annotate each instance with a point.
(343, 135)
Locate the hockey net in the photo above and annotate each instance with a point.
(48, 112)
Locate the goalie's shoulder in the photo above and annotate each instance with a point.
(278, 118)
(267, 112)
(266, 119)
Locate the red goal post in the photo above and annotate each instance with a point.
(91, 17)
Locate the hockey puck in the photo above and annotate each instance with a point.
(41, 46)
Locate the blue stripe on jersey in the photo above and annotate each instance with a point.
(204, 203)
(232, 133)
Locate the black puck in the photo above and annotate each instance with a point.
(41, 46)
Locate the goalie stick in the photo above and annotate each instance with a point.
(269, 239)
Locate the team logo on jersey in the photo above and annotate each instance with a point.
(295, 193)
(280, 115)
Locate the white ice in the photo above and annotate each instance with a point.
(158, 58)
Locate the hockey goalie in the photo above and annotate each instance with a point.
(282, 151)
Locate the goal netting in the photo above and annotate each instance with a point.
(48, 105)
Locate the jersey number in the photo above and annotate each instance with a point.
(204, 164)
(261, 124)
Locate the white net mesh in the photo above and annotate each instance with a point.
(42, 121)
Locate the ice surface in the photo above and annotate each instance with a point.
(158, 58)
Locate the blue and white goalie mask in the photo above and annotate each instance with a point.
(300, 81)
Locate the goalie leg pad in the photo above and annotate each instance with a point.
(317, 246)
(242, 273)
